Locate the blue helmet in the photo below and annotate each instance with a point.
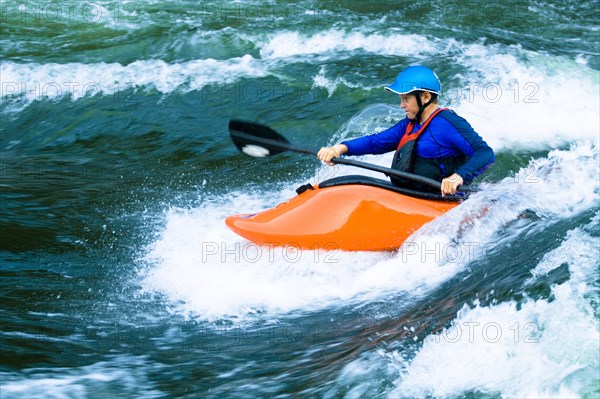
(416, 78)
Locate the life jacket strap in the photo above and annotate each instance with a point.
(408, 136)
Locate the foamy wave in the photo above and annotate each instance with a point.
(518, 98)
(563, 184)
(542, 349)
(29, 82)
(206, 271)
(322, 81)
(514, 352)
(127, 374)
(292, 44)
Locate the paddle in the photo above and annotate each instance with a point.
(260, 141)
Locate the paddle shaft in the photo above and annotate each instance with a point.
(341, 161)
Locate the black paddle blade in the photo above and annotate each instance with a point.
(256, 140)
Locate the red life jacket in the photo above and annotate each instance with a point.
(404, 158)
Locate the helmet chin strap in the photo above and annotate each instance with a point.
(422, 107)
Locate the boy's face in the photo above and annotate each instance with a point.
(408, 103)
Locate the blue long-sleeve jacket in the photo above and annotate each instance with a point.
(447, 135)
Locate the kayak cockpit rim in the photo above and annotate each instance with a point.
(374, 182)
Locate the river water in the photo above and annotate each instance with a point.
(120, 279)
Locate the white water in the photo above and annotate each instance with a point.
(30, 82)
(518, 98)
(123, 375)
(337, 43)
(544, 349)
(208, 272)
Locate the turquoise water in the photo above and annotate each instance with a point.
(120, 279)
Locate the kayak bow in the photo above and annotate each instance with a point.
(351, 213)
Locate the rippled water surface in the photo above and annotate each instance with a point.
(120, 279)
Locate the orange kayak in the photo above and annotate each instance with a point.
(351, 213)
